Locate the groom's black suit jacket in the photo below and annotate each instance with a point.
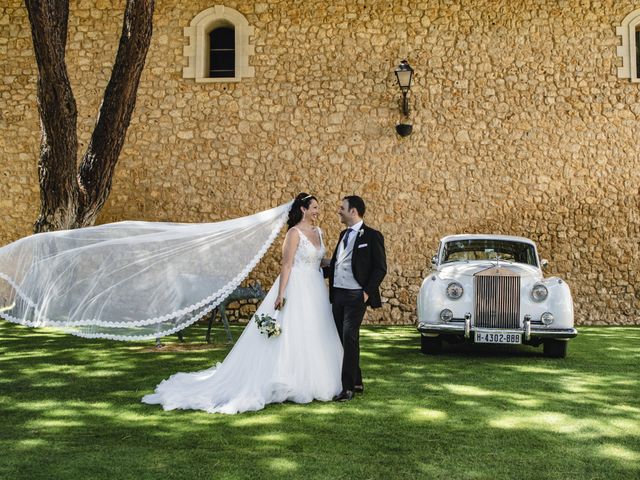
(368, 262)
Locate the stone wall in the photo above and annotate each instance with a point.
(520, 127)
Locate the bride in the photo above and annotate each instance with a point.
(302, 364)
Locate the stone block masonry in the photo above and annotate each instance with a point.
(521, 127)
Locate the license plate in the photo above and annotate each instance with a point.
(511, 338)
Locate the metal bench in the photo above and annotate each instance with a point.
(250, 292)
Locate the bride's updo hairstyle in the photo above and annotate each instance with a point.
(295, 214)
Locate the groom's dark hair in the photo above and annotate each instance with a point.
(357, 203)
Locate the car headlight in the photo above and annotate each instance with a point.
(539, 292)
(446, 315)
(454, 290)
(547, 318)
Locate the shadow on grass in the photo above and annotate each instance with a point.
(469, 413)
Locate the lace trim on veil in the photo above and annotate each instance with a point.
(203, 307)
(220, 295)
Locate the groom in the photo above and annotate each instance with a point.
(356, 270)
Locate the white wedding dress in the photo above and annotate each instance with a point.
(302, 364)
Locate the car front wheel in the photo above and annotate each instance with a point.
(555, 348)
(430, 345)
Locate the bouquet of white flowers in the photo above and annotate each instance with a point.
(267, 324)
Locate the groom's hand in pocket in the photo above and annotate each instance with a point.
(366, 297)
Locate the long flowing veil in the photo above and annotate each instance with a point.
(131, 280)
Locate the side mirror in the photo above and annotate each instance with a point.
(434, 261)
(544, 264)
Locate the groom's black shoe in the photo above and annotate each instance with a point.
(358, 389)
(343, 396)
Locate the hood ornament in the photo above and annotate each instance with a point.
(497, 269)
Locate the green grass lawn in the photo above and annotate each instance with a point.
(70, 408)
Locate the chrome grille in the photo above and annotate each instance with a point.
(497, 299)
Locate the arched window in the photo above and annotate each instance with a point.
(630, 48)
(222, 52)
(219, 48)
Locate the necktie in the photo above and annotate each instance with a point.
(345, 239)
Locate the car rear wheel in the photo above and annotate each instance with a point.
(555, 348)
(430, 345)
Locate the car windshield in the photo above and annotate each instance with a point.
(489, 249)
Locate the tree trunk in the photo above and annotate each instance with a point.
(72, 197)
(58, 115)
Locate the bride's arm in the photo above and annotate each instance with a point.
(289, 247)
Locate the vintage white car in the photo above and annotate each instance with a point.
(491, 289)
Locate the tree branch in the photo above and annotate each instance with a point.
(98, 164)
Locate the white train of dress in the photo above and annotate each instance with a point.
(300, 365)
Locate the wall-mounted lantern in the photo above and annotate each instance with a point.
(404, 74)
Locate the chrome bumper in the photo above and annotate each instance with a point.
(465, 328)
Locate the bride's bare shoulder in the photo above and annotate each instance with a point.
(293, 235)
